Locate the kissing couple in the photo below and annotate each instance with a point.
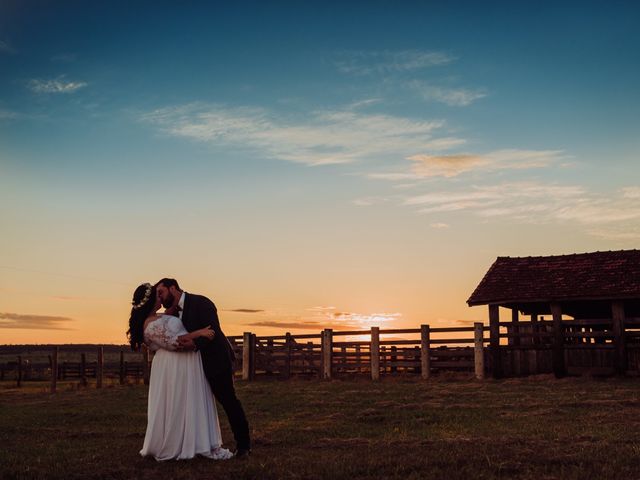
(193, 362)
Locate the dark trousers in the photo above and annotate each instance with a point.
(225, 393)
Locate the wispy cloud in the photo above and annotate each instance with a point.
(57, 85)
(455, 97)
(68, 298)
(631, 192)
(321, 317)
(8, 115)
(320, 138)
(439, 225)
(244, 310)
(64, 57)
(302, 325)
(6, 48)
(453, 165)
(607, 215)
(34, 322)
(368, 201)
(386, 61)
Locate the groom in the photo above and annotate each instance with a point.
(197, 311)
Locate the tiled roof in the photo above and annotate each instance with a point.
(603, 275)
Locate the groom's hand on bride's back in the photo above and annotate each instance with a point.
(186, 344)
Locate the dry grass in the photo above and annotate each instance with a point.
(397, 428)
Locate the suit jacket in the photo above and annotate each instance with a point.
(217, 354)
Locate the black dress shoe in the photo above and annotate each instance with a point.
(243, 453)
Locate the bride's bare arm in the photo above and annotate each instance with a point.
(206, 332)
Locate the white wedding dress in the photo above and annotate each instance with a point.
(182, 416)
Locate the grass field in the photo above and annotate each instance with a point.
(398, 428)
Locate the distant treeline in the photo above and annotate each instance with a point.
(68, 347)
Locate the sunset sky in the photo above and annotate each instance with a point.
(305, 164)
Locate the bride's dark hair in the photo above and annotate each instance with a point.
(143, 302)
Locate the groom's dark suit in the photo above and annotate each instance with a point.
(217, 362)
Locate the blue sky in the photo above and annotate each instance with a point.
(369, 157)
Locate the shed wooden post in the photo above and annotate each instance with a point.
(327, 353)
(494, 340)
(425, 353)
(54, 369)
(478, 350)
(122, 372)
(83, 369)
(100, 367)
(559, 366)
(515, 318)
(617, 312)
(19, 379)
(246, 356)
(535, 328)
(146, 371)
(375, 353)
(288, 348)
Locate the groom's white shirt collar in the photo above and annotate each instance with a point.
(181, 304)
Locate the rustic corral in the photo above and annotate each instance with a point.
(594, 303)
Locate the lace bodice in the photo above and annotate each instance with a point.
(163, 333)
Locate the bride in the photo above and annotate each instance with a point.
(182, 420)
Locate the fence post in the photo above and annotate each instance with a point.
(327, 351)
(375, 353)
(122, 372)
(478, 349)
(307, 357)
(254, 355)
(246, 356)
(100, 367)
(425, 360)
(19, 371)
(83, 367)
(54, 370)
(287, 346)
(269, 362)
(145, 365)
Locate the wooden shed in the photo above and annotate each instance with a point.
(592, 299)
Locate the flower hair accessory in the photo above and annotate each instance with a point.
(145, 299)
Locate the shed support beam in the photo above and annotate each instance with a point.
(515, 329)
(559, 366)
(494, 341)
(617, 312)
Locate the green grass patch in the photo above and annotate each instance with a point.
(397, 428)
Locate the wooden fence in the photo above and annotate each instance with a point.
(515, 348)
(54, 371)
(373, 352)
